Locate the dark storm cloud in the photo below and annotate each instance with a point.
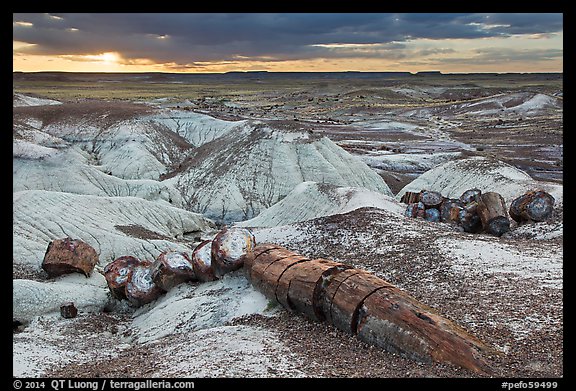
(189, 38)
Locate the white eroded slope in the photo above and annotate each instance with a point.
(238, 175)
(453, 178)
(20, 100)
(309, 200)
(35, 167)
(34, 298)
(114, 226)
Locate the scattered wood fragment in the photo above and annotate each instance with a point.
(533, 206)
(65, 256)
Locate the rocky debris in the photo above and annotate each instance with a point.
(202, 262)
(68, 310)
(533, 206)
(172, 268)
(64, 256)
(229, 249)
(362, 304)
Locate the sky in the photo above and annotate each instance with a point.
(284, 42)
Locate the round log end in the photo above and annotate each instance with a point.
(229, 249)
(117, 273)
(172, 268)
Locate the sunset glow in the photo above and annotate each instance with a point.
(325, 42)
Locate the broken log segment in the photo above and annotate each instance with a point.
(68, 310)
(411, 197)
(395, 321)
(345, 299)
(117, 273)
(140, 288)
(534, 205)
(450, 210)
(229, 249)
(65, 256)
(258, 250)
(472, 195)
(431, 199)
(201, 260)
(492, 212)
(360, 303)
(172, 268)
(469, 219)
(305, 283)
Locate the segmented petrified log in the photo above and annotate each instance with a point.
(230, 248)
(68, 310)
(172, 268)
(450, 210)
(360, 303)
(410, 197)
(472, 195)
(492, 212)
(302, 286)
(140, 287)
(534, 205)
(202, 262)
(469, 219)
(117, 273)
(431, 199)
(415, 210)
(397, 322)
(269, 266)
(345, 294)
(64, 256)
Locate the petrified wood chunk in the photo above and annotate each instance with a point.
(492, 212)
(469, 219)
(117, 273)
(140, 288)
(230, 248)
(450, 210)
(534, 205)
(68, 310)
(172, 268)
(202, 262)
(64, 256)
(410, 197)
(472, 195)
(431, 199)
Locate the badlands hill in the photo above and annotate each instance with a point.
(139, 179)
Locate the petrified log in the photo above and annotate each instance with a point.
(172, 268)
(534, 205)
(431, 199)
(360, 303)
(345, 295)
(202, 262)
(492, 212)
(450, 210)
(258, 250)
(395, 321)
(469, 219)
(229, 249)
(266, 280)
(117, 273)
(472, 195)
(302, 286)
(410, 197)
(140, 288)
(68, 310)
(64, 256)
